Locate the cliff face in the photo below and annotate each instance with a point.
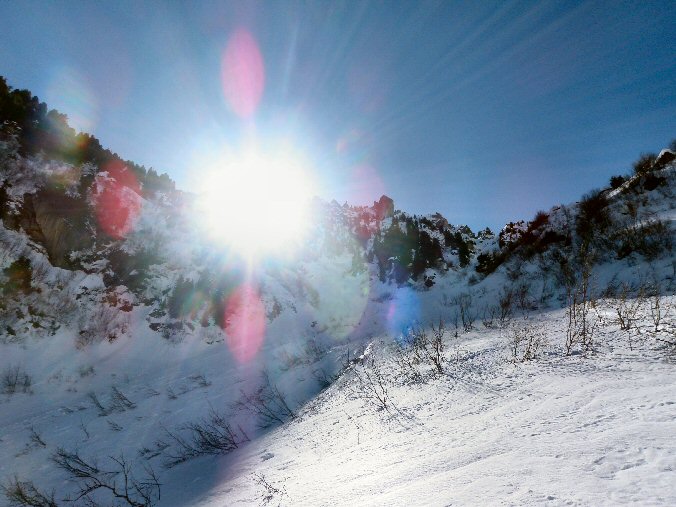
(24, 219)
(55, 221)
(63, 222)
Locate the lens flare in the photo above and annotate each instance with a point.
(403, 311)
(116, 196)
(342, 303)
(243, 73)
(257, 202)
(244, 322)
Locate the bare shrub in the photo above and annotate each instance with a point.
(267, 402)
(323, 378)
(526, 341)
(103, 411)
(288, 361)
(15, 380)
(659, 311)
(311, 353)
(627, 308)
(200, 380)
(327, 376)
(25, 494)
(114, 426)
(119, 402)
(372, 385)
(406, 364)
(270, 492)
(158, 449)
(84, 429)
(119, 484)
(522, 297)
(650, 238)
(489, 315)
(506, 305)
(211, 435)
(663, 329)
(447, 301)
(465, 310)
(36, 439)
(581, 327)
(430, 349)
(455, 321)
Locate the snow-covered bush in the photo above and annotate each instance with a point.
(100, 320)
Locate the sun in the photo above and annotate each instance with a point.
(257, 201)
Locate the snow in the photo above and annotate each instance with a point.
(584, 429)
(560, 431)
(591, 429)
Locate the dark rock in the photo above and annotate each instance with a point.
(665, 158)
(384, 207)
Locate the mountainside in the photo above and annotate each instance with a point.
(131, 345)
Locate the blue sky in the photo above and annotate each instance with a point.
(483, 111)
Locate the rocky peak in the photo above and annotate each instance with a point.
(384, 207)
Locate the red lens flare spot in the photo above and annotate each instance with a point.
(244, 322)
(243, 73)
(116, 195)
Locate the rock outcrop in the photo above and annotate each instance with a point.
(384, 207)
(55, 221)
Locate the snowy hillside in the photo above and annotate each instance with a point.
(556, 431)
(142, 364)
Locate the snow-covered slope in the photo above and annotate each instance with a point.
(128, 334)
(557, 431)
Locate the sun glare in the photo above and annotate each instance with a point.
(257, 202)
